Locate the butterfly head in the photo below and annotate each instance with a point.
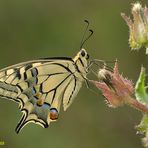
(81, 60)
(83, 54)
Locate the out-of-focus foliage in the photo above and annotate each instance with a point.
(142, 96)
(143, 129)
(138, 38)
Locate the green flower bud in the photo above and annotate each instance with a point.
(138, 27)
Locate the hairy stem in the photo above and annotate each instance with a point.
(138, 105)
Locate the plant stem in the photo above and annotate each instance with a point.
(138, 105)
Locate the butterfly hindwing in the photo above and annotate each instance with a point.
(70, 92)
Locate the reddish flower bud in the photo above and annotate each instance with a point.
(114, 87)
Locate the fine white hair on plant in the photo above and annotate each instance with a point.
(136, 7)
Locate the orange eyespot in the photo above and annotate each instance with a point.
(54, 114)
(40, 102)
(38, 95)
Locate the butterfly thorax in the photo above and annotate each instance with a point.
(81, 62)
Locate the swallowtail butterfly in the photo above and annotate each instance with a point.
(40, 86)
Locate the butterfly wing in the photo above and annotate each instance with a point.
(39, 87)
(70, 92)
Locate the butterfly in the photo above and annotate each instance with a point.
(41, 86)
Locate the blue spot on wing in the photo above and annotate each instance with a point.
(42, 112)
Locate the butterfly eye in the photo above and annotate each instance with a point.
(82, 53)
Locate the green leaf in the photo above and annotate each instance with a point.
(142, 96)
(143, 126)
(140, 88)
(143, 129)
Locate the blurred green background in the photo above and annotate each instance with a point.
(31, 29)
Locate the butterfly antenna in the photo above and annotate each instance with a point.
(87, 25)
(91, 32)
